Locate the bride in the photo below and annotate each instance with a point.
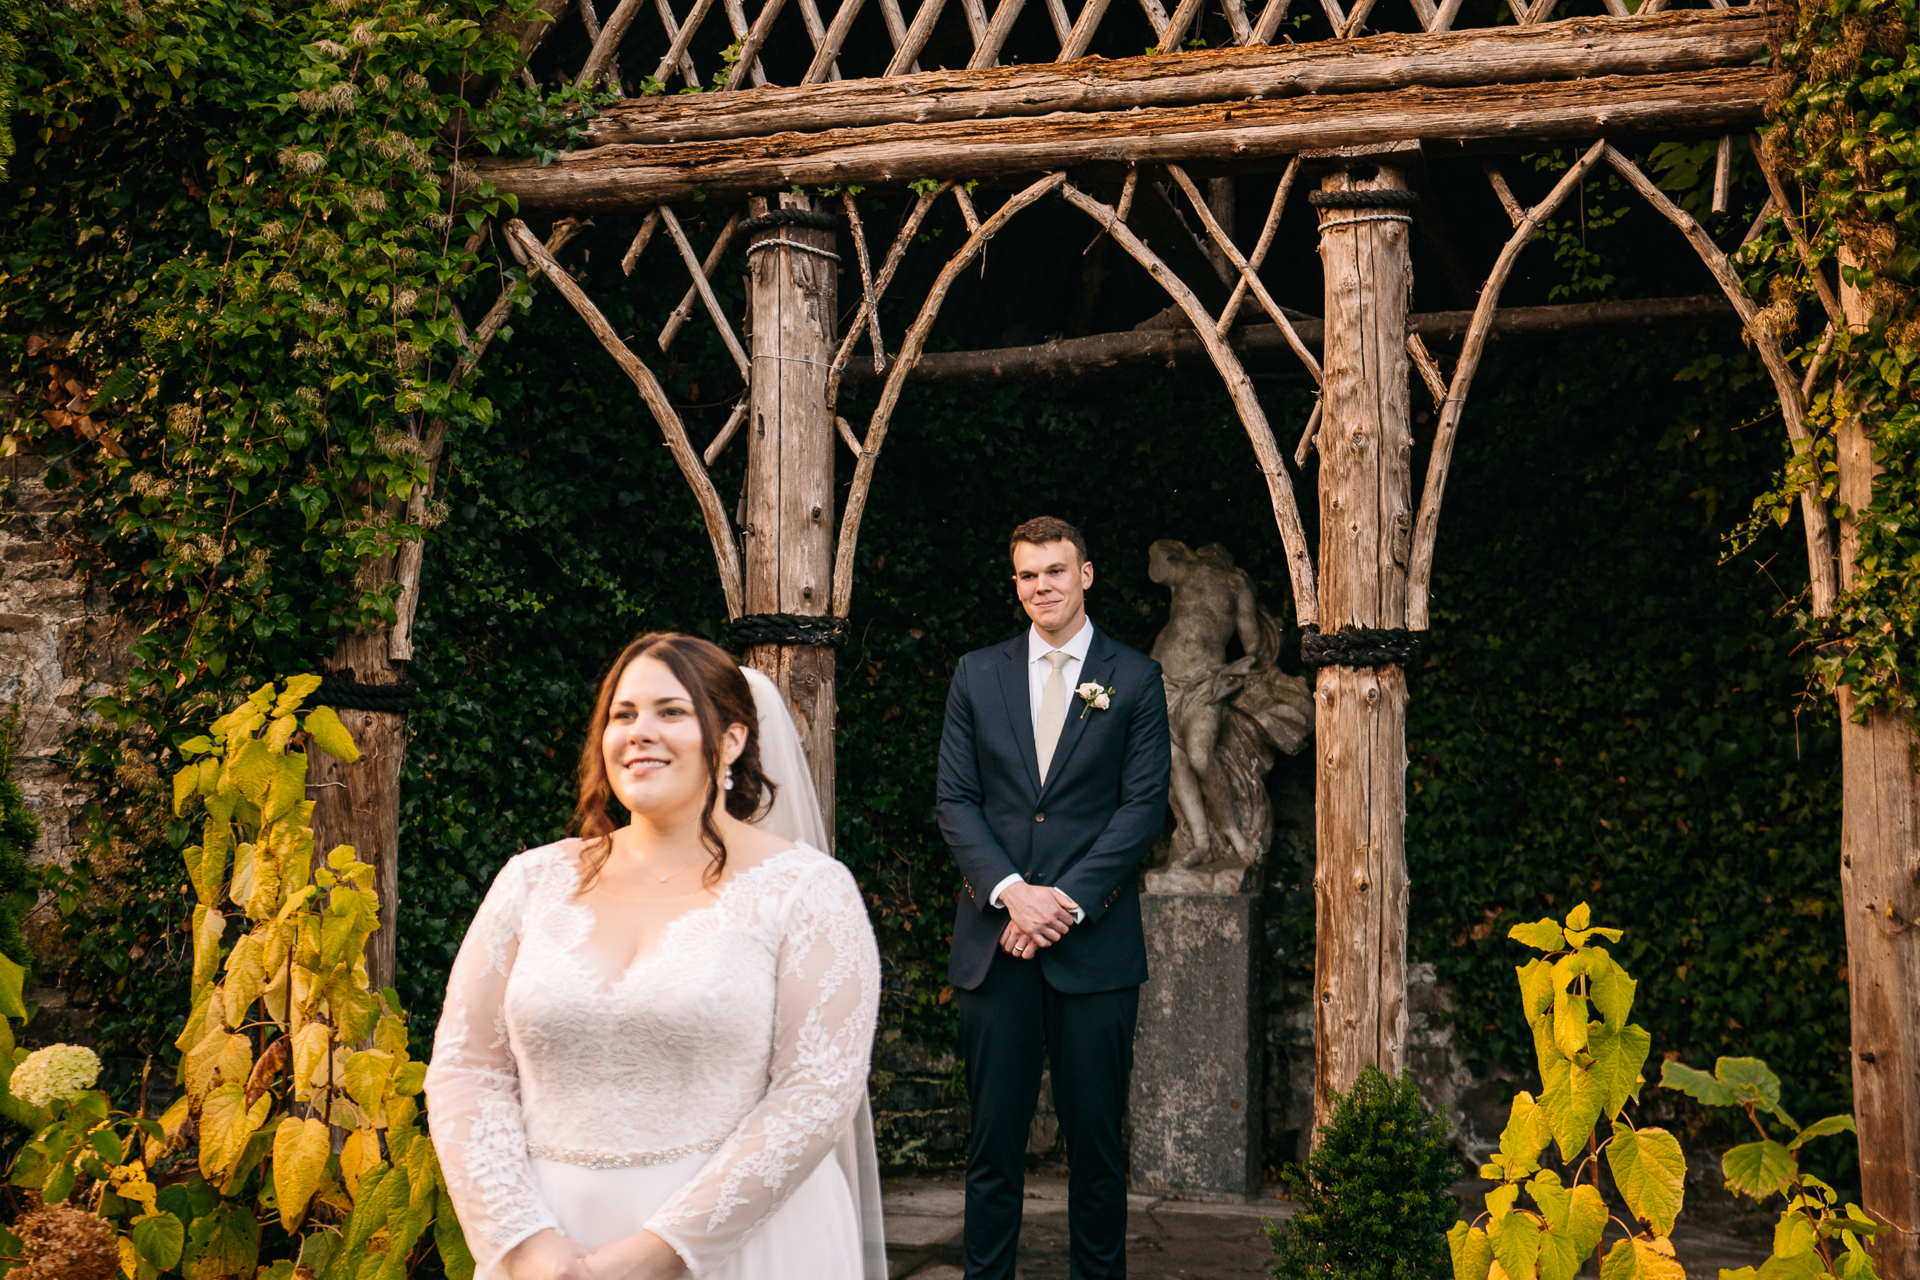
(653, 1055)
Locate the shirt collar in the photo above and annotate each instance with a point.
(1076, 647)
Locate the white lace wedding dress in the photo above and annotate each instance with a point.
(714, 1093)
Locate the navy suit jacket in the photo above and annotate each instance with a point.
(1085, 832)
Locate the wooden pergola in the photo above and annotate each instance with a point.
(1345, 122)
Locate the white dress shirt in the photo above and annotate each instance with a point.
(1038, 669)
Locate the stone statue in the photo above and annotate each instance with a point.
(1226, 718)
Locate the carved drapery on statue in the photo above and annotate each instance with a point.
(1227, 719)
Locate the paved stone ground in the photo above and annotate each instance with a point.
(1170, 1238)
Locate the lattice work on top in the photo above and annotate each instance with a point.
(653, 46)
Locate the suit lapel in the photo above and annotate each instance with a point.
(1019, 704)
(1098, 668)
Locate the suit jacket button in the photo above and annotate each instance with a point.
(1039, 817)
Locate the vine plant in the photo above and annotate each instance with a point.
(233, 248)
(285, 1044)
(1846, 143)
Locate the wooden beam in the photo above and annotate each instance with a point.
(1578, 48)
(1223, 135)
(1086, 357)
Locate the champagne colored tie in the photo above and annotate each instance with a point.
(1053, 711)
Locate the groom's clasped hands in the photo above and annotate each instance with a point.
(1040, 917)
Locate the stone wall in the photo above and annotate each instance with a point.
(60, 647)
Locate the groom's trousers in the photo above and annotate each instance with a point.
(1009, 1024)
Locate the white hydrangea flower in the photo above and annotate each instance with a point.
(61, 1071)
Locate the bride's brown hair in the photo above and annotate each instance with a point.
(721, 697)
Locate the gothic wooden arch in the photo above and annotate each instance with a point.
(1350, 112)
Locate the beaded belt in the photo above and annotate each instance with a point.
(591, 1159)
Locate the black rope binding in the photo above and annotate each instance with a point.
(788, 628)
(1363, 199)
(350, 695)
(1359, 647)
(791, 218)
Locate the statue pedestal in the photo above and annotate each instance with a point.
(1195, 1106)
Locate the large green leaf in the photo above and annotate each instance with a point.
(1611, 989)
(1759, 1169)
(1649, 1172)
(1526, 1135)
(1516, 1242)
(1695, 1083)
(1753, 1084)
(1472, 1252)
(222, 1243)
(1575, 1226)
(457, 1260)
(159, 1238)
(1572, 1097)
(1618, 1055)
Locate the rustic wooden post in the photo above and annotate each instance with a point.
(359, 804)
(1365, 443)
(788, 532)
(1880, 890)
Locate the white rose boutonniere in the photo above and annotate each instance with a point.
(1097, 698)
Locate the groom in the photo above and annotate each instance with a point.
(1053, 788)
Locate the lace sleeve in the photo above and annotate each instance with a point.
(473, 1085)
(827, 1002)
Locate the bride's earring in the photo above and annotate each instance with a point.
(727, 781)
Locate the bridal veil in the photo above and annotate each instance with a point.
(795, 816)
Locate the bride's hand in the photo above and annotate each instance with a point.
(547, 1255)
(642, 1257)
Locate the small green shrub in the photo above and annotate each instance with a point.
(1375, 1197)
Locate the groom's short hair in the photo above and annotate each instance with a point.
(1044, 529)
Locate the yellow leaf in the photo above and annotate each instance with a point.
(310, 1046)
(280, 732)
(300, 1151)
(1650, 1173)
(173, 1121)
(244, 977)
(210, 1062)
(226, 1122)
(273, 999)
(289, 786)
(242, 886)
(330, 735)
(360, 1153)
(207, 926)
(236, 1060)
(185, 783)
(197, 1021)
(251, 769)
(366, 1076)
(298, 690)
